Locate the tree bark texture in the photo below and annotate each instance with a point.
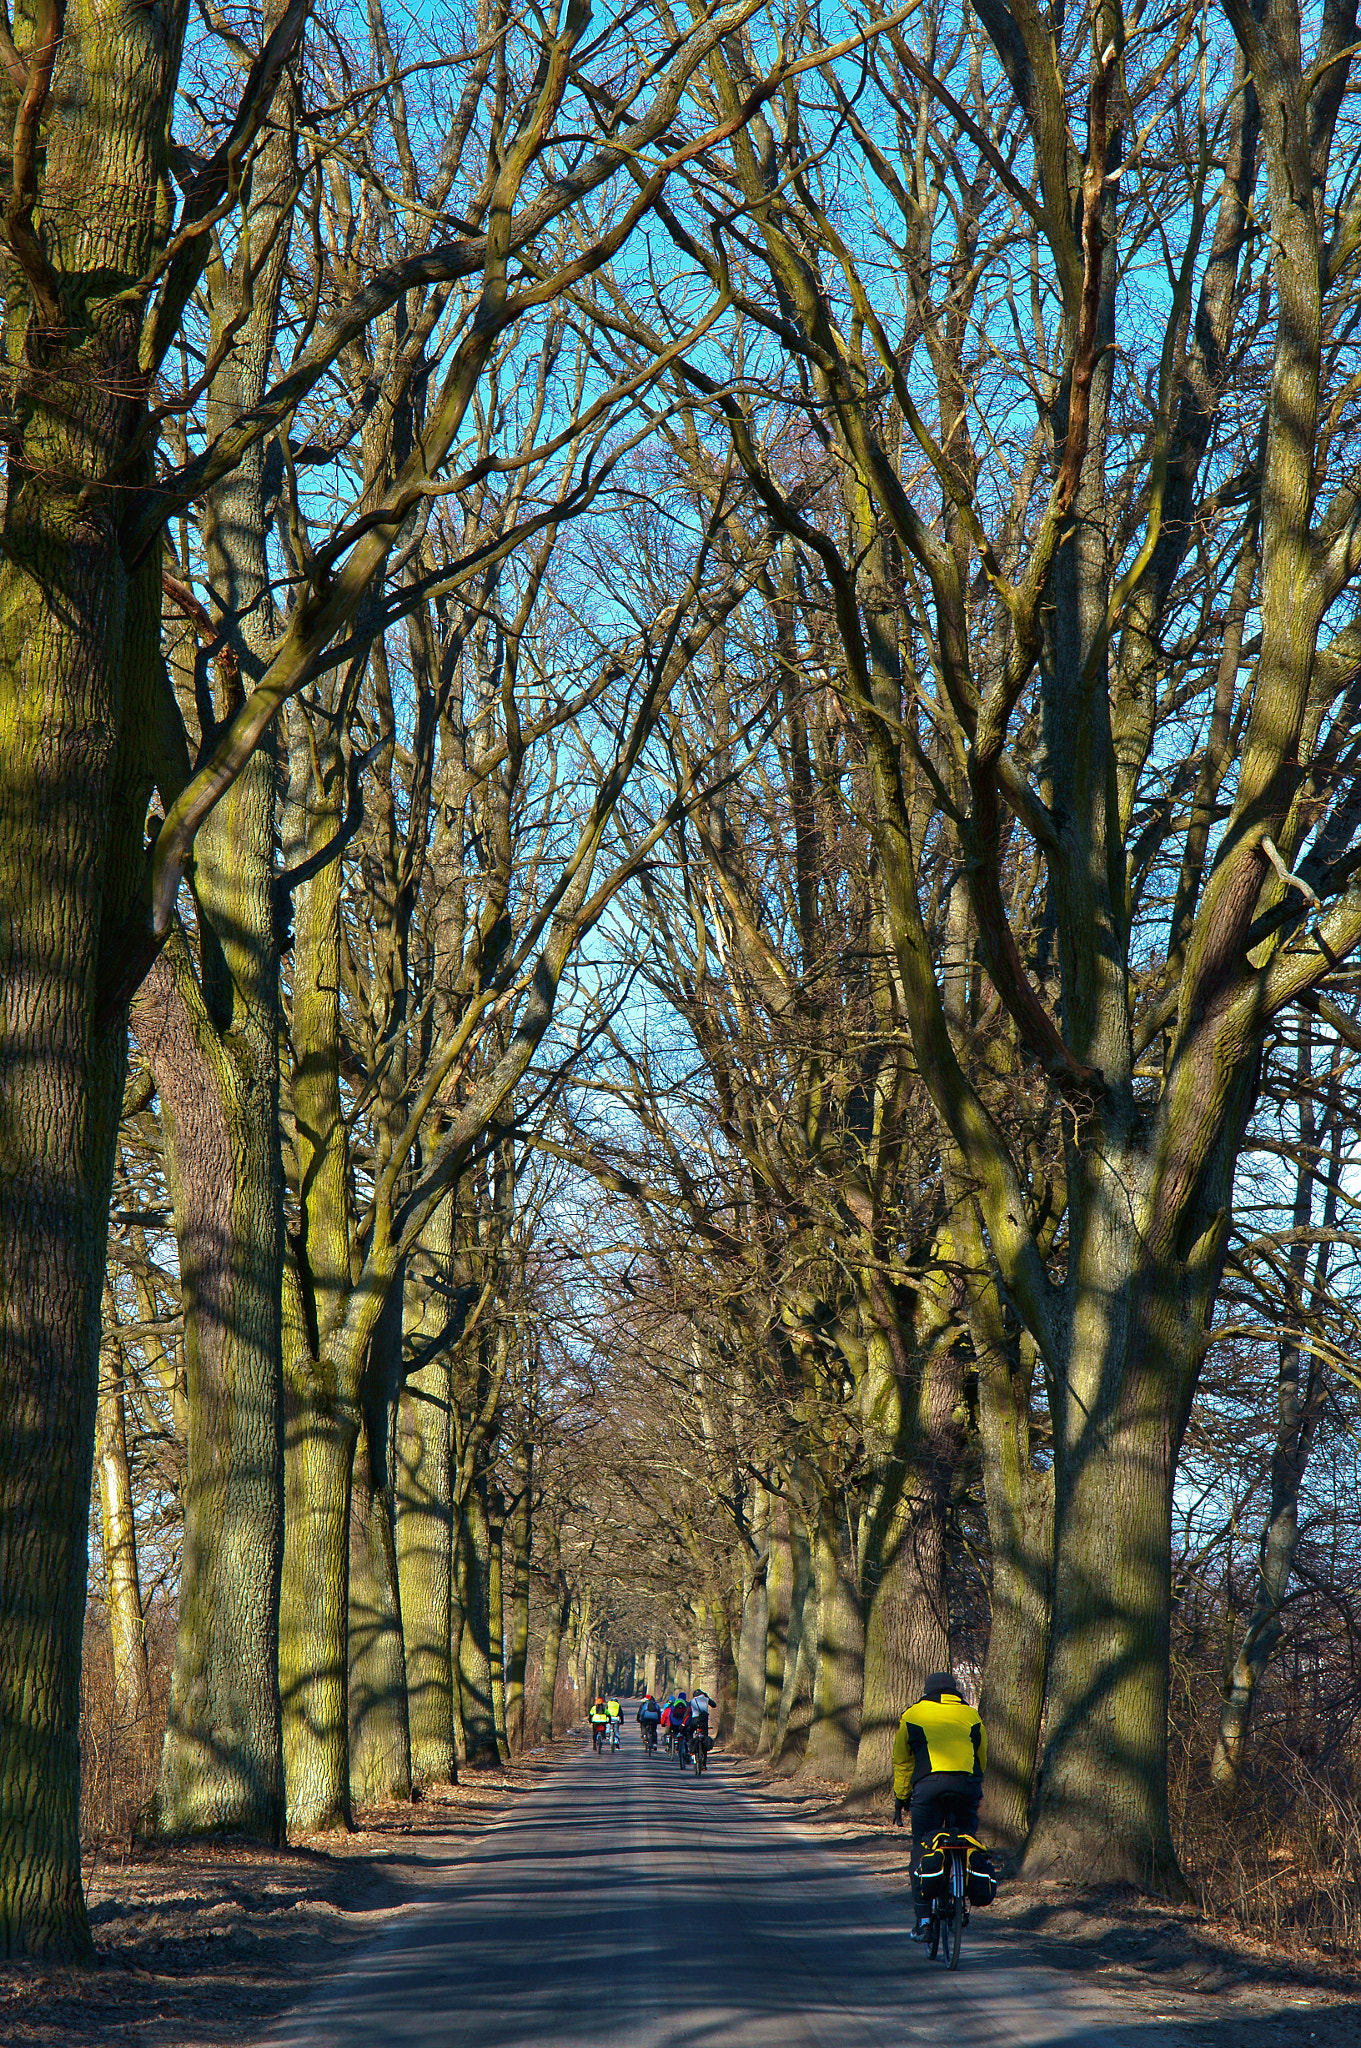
(559, 1616)
(916, 1430)
(519, 1532)
(779, 1578)
(78, 649)
(834, 1734)
(118, 1533)
(751, 1654)
(380, 1741)
(496, 1615)
(473, 1557)
(222, 1766)
(425, 1564)
(314, 1613)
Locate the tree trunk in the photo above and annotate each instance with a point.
(1301, 1392)
(1020, 1502)
(1105, 1765)
(907, 1632)
(779, 1577)
(473, 1554)
(520, 1530)
(78, 659)
(424, 1567)
(751, 1655)
(118, 1532)
(380, 1741)
(496, 1616)
(650, 1670)
(222, 1763)
(835, 1732)
(313, 1620)
(792, 1721)
(559, 1615)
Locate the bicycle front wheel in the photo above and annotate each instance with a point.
(954, 1934)
(933, 1945)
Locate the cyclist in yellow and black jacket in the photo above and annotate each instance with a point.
(939, 1756)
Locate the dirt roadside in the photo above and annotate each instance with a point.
(1205, 1982)
(201, 1944)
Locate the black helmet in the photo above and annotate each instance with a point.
(941, 1682)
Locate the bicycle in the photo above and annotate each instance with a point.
(948, 1898)
(699, 1749)
(683, 1749)
(612, 1730)
(649, 1738)
(597, 1736)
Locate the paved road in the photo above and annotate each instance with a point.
(621, 1905)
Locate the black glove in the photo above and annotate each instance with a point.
(897, 1813)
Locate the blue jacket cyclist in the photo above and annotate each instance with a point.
(939, 1756)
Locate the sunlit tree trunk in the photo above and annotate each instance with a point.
(118, 1534)
(473, 1560)
(380, 1744)
(559, 1621)
(751, 1655)
(913, 1432)
(425, 1565)
(222, 1765)
(519, 1529)
(838, 1683)
(778, 1587)
(1301, 1393)
(792, 1719)
(496, 1615)
(78, 683)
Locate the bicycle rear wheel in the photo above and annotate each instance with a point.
(954, 1933)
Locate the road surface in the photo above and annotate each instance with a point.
(623, 1905)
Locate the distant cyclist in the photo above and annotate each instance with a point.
(649, 1720)
(939, 1756)
(599, 1718)
(614, 1715)
(680, 1728)
(700, 1704)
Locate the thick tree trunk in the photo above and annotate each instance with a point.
(839, 1682)
(78, 649)
(216, 1061)
(650, 1670)
(779, 1577)
(496, 1616)
(559, 1615)
(424, 1567)
(1103, 1800)
(751, 1653)
(519, 1529)
(473, 1555)
(903, 1554)
(313, 1619)
(380, 1742)
(118, 1533)
(1020, 1501)
(222, 1764)
(792, 1720)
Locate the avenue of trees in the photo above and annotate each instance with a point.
(682, 697)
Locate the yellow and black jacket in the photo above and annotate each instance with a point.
(938, 1735)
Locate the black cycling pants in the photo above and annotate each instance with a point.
(942, 1801)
